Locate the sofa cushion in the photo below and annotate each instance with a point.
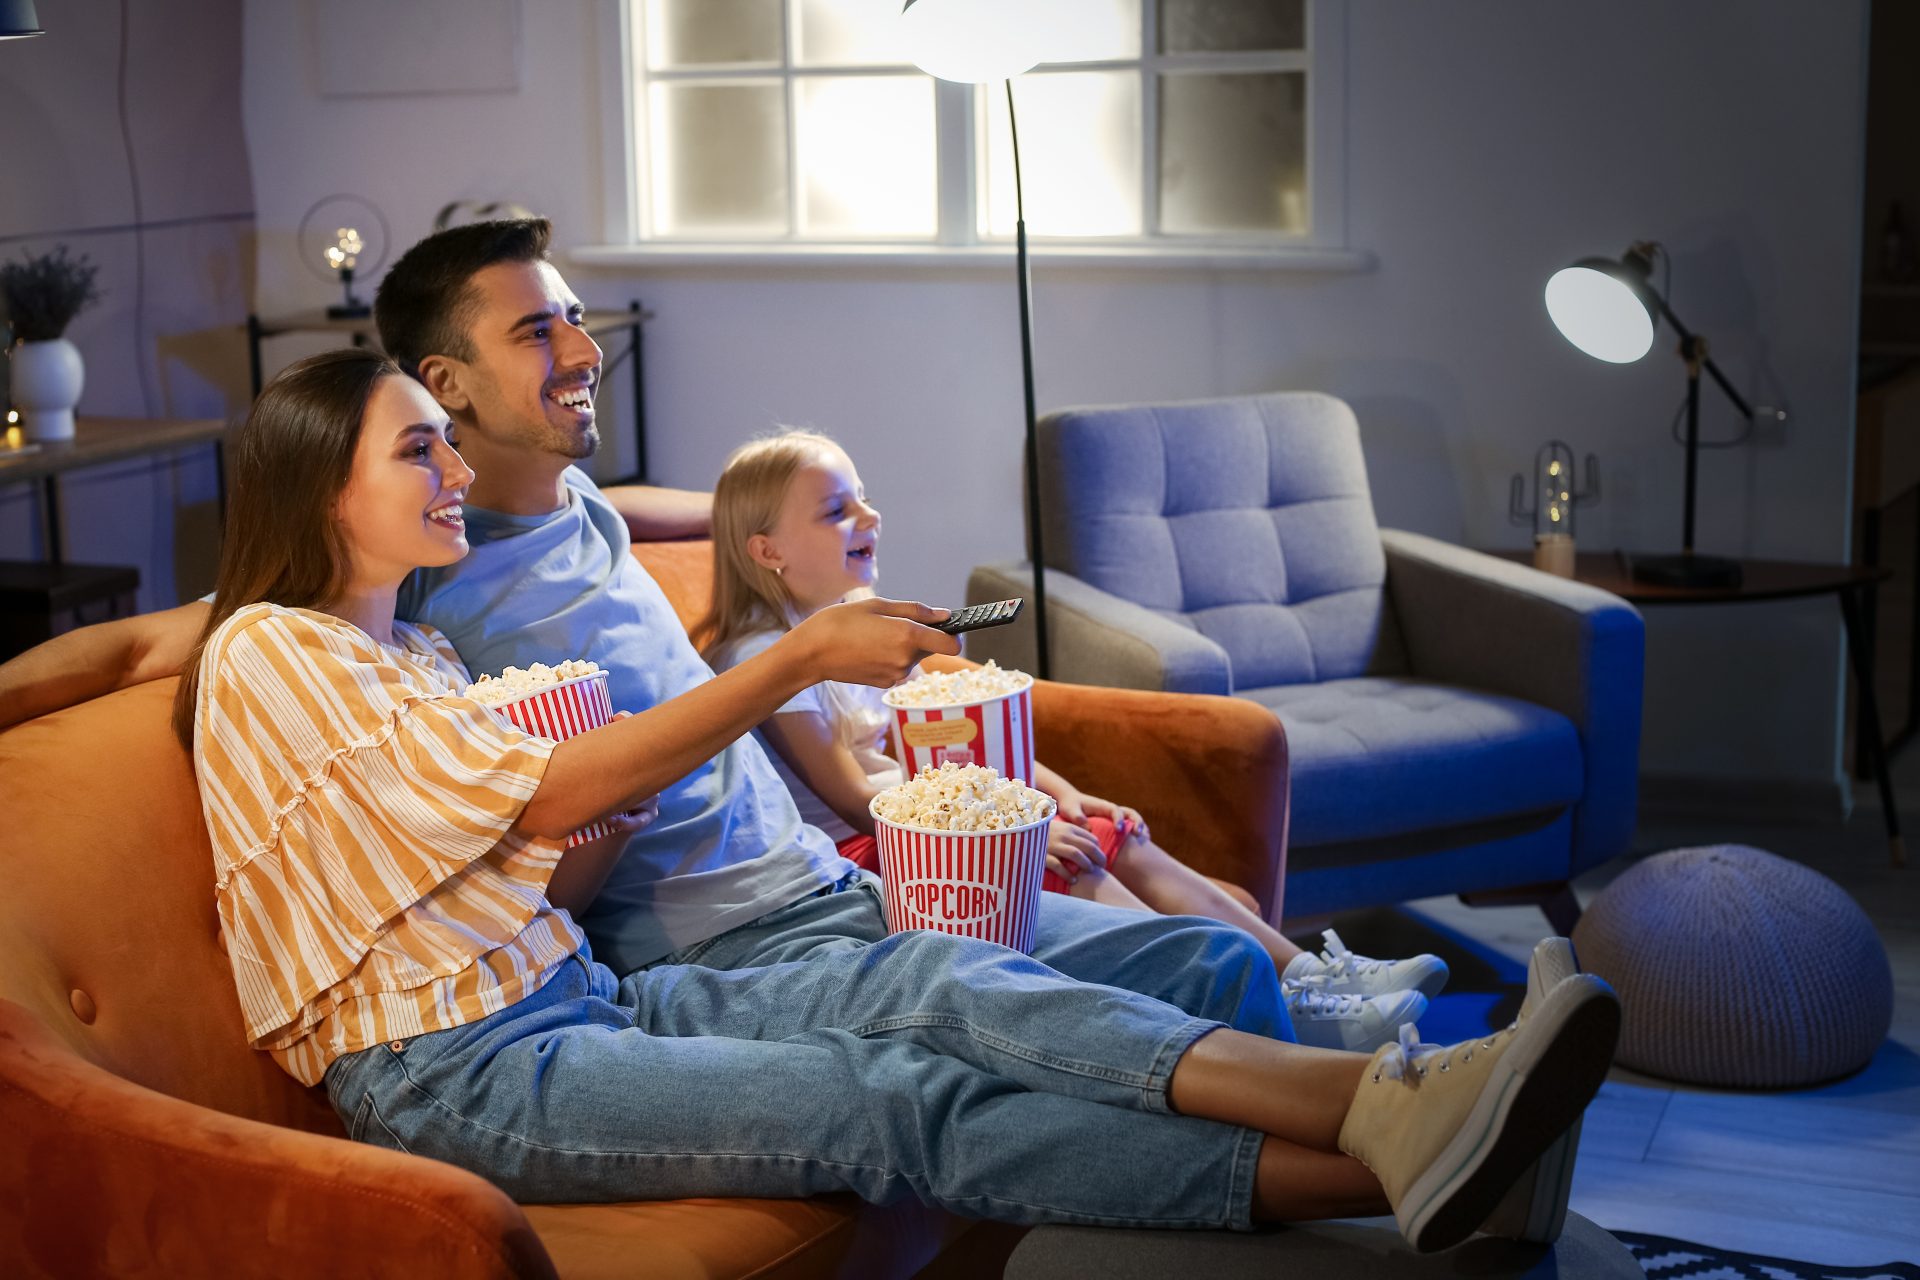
(1379, 756)
(1247, 519)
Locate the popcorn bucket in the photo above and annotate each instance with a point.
(996, 732)
(976, 884)
(560, 711)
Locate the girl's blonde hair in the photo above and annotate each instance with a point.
(748, 596)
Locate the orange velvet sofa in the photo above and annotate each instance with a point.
(139, 1136)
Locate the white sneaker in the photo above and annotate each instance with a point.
(1535, 1208)
(1326, 1019)
(1355, 975)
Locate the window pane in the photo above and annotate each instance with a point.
(848, 33)
(1079, 154)
(1222, 26)
(719, 159)
(866, 159)
(1233, 152)
(1088, 30)
(692, 33)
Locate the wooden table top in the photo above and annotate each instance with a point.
(97, 440)
(1759, 579)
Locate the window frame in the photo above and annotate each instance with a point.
(958, 109)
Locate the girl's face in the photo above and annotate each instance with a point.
(826, 540)
(401, 508)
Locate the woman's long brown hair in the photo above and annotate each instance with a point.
(288, 464)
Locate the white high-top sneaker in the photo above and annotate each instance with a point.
(1328, 1020)
(1535, 1208)
(1448, 1129)
(1348, 974)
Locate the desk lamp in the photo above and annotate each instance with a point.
(334, 237)
(1608, 309)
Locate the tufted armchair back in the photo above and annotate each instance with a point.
(1247, 520)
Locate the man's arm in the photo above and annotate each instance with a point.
(91, 661)
(654, 514)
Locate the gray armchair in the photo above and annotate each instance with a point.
(1456, 723)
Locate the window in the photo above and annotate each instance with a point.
(1172, 123)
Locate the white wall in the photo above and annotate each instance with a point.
(63, 176)
(1489, 143)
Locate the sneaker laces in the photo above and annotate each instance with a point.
(1309, 995)
(1408, 1052)
(1340, 960)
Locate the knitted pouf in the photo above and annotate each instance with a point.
(1737, 967)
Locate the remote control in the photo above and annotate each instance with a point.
(975, 616)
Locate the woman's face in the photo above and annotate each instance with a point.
(401, 508)
(826, 541)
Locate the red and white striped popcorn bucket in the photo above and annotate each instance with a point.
(560, 711)
(977, 884)
(996, 732)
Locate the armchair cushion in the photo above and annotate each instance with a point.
(1247, 519)
(1378, 757)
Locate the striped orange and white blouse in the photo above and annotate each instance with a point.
(370, 887)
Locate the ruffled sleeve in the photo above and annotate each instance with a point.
(341, 786)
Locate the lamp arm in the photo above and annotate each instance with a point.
(1689, 339)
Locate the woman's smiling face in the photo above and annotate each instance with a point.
(401, 509)
(826, 541)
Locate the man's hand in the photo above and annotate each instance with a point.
(873, 642)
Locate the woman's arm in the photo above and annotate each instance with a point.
(90, 662)
(807, 742)
(654, 514)
(612, 768)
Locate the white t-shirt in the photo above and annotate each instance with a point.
(859, 721)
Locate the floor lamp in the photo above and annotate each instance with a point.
(1609, 309)
(976, 42)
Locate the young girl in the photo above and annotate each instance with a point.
(793, 533)
(394, 900)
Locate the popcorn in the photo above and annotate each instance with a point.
(956, 797)
(952, 688)
(515, 683)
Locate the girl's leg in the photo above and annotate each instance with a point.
(1171, 887)
(1102, 886)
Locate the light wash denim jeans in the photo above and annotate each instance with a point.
(810, 1052)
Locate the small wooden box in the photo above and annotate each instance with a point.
(40, 601)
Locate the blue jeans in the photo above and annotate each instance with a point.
(811, 1052)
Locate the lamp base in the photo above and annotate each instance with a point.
(355, 311)
(1686, 570)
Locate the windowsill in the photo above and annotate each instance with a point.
(993, 256)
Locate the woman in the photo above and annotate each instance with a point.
(394, 904)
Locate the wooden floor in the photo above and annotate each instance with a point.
(1829, 1174)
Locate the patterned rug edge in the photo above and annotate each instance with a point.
(1664, 1258)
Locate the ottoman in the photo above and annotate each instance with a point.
(1738, 968)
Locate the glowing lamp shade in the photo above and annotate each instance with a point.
(1600, 313)
(972, 41)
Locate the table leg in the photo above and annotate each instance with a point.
(639, 395)
(50, 515)
(1851, 616)
(253, 352)
(1869, 627)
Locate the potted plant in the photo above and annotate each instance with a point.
(41, 294)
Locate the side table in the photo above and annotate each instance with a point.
(1760, 580)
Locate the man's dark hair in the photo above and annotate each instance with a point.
(425, 305)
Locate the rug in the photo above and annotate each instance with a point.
(1665, 1259)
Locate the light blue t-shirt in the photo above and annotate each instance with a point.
(728, 846)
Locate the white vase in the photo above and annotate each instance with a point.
(46, 378)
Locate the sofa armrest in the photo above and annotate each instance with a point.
(1099, 638)
(1478, 620)
(1209, 774)
(99, 1176)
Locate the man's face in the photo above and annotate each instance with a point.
(534, 371)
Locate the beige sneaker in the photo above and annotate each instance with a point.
(1448, 1130)
(1535, 1208)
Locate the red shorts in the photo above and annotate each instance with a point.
(864, 853)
